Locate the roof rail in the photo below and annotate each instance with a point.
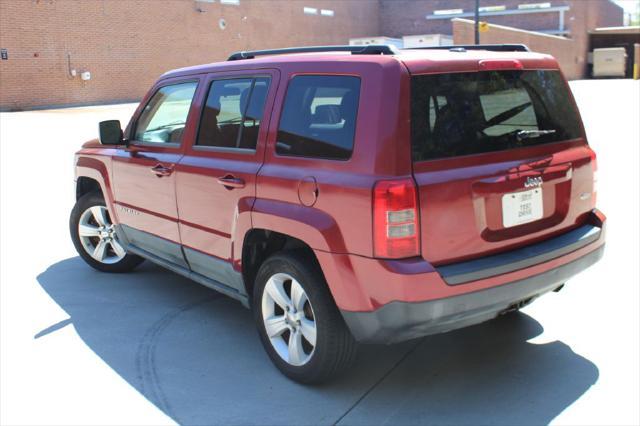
(491, 47)
(370, 49)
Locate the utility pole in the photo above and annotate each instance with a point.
(477, 23)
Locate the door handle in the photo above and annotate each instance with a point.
(160, 170)
(231, 182)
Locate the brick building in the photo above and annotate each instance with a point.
(568, 18)
(561, 26)
(126, 45)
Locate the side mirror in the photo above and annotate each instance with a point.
(111, 132)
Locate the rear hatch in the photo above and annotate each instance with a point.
(500, 160)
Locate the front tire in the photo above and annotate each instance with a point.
(299, 324)
(95, 238)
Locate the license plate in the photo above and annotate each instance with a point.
(521, 207)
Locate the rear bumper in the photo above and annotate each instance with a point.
(398, 321)
(391, 301)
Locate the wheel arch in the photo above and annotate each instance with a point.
(278, 225)
(315, 227)
(85, 185)
(92, 175)
(259, 244)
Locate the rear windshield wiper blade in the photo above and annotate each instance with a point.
(528, 134)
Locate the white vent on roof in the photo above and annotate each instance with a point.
(327, 12)
(310, 11)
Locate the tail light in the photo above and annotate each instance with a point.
(395, 219)
(594, 168)
(499, 64)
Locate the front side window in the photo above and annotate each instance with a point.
(319, 117)
(233, 112)
(471, 113)
(164, 117)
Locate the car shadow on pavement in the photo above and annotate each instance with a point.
(195, 354)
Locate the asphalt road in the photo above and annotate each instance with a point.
(81, 347)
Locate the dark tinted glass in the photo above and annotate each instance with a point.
(254, 107)
(319, 117)
(471, 113)
(232, 114)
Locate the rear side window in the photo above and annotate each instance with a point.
(163, 118)
(319, 117)
(471, 113)
(233, 112)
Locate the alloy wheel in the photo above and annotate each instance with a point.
(288, 319)
(98, 236)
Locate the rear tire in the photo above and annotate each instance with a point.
(95, 238)
(292, 301)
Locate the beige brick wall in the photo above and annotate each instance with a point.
(127, 44)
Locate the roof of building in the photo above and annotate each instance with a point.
(616, 30)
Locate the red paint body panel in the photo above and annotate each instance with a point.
(95, 163)
(459, 198)
(210, 213)
(344, 187)
(363, 284)
(443, 61)
(138, 188)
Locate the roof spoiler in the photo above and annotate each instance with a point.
(370, 49)
(490, 47)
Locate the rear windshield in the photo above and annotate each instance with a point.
(471, 113)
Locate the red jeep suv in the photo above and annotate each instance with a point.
(349, 194)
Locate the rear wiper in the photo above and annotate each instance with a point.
(528, 134)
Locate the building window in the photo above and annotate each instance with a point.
(448, 12)
(534, 6)
(310, 11)
(327, 12)
(234, 2)
(492, 8)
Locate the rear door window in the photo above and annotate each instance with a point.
(319, 117)
(253, 110)
(471, 113)
(233, 112)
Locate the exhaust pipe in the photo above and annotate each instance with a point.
(518, 305)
